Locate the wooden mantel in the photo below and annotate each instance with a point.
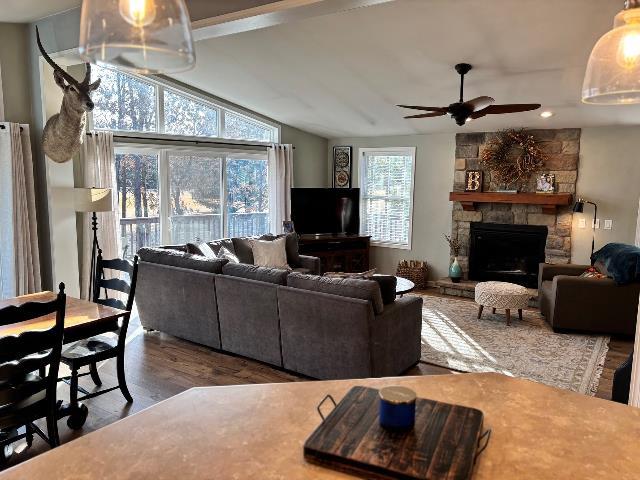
(548, 202)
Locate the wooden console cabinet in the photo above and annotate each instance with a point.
(337, 253)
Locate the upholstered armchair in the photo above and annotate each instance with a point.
(571, 302)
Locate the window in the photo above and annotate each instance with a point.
(386, 189)
(175, 196)
(130, 103)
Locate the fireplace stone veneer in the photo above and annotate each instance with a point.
(562, 148)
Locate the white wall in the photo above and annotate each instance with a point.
(609, 175)
(431, 208)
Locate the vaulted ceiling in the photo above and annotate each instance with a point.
(342, 74)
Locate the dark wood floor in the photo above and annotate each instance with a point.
(159, 366)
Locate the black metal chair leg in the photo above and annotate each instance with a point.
(93, 370)
(29, 435)
(122, 381)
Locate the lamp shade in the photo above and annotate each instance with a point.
(92, 200)
(144, 36)
(578, 207)
(613, 71)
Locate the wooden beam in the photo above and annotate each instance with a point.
(271, 14)
(548, 202)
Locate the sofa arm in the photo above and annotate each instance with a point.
(312, 263)
(395, 335)
(595, 305)
(548, 271)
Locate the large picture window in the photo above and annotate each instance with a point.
(386, 188)
(130, 103)
(175, 196)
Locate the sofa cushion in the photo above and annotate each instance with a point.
(387, 285)
(254, 272)
(619, 261)
(202, 248)
(224, 252)
(242, 249)
(345, 287)
(293, 253)
(175, 258)
(270, 253)
(216, 245)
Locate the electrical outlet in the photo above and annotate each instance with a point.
(608, 224)
(595, 223)
(582, 223)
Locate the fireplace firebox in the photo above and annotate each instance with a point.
(507, 253)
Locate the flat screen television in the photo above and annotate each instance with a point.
(326, 210)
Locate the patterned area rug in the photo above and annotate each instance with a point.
(453, 337)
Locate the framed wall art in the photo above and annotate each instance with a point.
(342, 167)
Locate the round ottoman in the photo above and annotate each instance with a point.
(503, 295)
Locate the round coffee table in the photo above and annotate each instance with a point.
(503, 295)
(403, 286)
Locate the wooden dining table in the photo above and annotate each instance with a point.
(82, 318)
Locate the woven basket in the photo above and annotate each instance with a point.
(414, 270)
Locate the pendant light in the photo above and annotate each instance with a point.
(613, 71)
(143, 36)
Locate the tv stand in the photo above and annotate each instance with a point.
(337, 252)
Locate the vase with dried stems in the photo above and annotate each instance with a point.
(455, 271)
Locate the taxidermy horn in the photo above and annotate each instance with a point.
(63, 132)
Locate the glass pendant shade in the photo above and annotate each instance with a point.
(613, 71)
(143, 36)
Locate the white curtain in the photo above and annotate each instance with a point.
(280, 162)
(97, 160)
(19, 256)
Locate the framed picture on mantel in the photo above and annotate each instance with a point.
(342, 167)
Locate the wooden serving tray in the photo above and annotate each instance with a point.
(442, 445)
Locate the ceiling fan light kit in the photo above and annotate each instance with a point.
(463, 112)
(143, 36)
(613, 71)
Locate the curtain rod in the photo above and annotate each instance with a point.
(205, 142)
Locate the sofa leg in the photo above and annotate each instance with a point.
(480, 311)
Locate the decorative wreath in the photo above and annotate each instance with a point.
(498, 157)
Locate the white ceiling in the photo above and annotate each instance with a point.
(341, 75)
(24, 11)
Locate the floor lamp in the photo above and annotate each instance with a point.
(93, 200)
(578, 207)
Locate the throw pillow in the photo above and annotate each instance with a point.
(592, 272)
(201, 249)
(225, 253)
(293, 254)
(270, 253)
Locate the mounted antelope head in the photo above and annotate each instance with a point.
(64, 131)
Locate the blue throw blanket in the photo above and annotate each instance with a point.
(621, 261)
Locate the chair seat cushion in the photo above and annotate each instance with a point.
(89, 347)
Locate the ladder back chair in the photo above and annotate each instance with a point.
(100, 347)
(27, 391)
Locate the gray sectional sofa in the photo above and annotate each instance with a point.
(315, 326)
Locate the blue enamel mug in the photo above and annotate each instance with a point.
(397, 408)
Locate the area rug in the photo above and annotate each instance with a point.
(453, 337)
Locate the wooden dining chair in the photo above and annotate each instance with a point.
(27, 390)
(102, 346)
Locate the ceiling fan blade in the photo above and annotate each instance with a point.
(479, 103)
(425, 115)
(508, 108)
(418, 107)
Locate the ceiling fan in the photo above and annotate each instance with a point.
(463, 111)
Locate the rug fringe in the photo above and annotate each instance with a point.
(597, 374)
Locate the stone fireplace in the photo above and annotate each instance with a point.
(562, 148)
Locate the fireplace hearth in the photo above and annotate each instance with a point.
(505, 252)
